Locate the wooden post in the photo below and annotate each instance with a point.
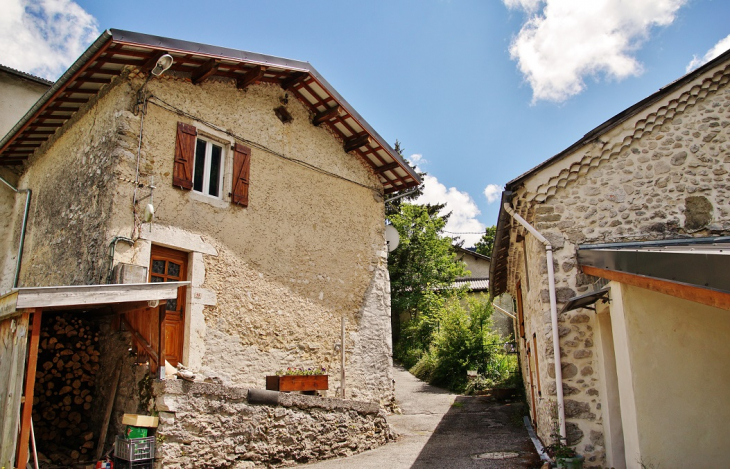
(21, 459)
(161, 352)
(108, 413)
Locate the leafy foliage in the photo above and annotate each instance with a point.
(485, 245)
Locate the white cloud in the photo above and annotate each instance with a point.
(492, 192)
(716, 50)
(564, 41)
(462, 207)
(416, 159)
(44, 37)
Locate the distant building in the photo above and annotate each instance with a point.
(18, 92)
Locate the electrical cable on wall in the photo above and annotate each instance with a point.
(169, 107)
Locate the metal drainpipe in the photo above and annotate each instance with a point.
(19, 258)
(553, 317)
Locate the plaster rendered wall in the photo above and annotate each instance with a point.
(274, 279)
(478, 267)
(8, 232)
(675, 346)
(668, 180)
(17, 95)
(72, 178)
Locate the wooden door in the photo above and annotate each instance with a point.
(168, 265)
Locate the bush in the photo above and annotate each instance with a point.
(441, 345)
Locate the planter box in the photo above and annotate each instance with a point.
(297, 383)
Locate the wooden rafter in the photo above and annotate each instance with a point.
(293, 79)
(326, 115)
(204, 72)
(250, 77)
(356, 142)
(387, 167)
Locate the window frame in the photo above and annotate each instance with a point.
(207, 163)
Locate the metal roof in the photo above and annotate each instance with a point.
(473, 284)
(24, 75)
(699, 262)
(116, 50)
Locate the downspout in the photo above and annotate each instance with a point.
(553, 316)
(19, 257)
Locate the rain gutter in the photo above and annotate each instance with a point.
(553, 314)
(19, 257)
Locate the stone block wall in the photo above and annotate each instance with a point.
(216, 426)
(662, 175)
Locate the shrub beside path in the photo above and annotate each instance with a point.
(442, 430)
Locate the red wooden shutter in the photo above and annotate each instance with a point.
(182, 174)
(241, 169)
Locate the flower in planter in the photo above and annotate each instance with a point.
(302, 371)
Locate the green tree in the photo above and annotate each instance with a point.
(485, 245)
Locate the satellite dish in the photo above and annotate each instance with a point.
(391, 237)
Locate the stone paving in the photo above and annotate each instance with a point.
(442, 430)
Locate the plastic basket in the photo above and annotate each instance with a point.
(122, 464)
(135, 449)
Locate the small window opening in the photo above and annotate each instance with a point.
(208, 168)
(283, 114)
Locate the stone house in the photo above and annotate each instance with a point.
(246, 177)
(616, 253)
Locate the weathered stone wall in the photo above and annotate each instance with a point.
(72, 178)
(9, 218)
(276, 277)
(662, 174)
(270, 282)
(215, 426)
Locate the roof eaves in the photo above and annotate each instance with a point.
(25, 75)
(620, 117)
(178, 45)
(95, 47)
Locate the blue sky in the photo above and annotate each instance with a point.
(478, 92)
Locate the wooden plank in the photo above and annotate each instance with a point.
(140, 340)
(109, 408)
(295, 78)
(387, 167)
(703, 296)
(84, 295)
(25, 423)
(8, 305)
(13, 343)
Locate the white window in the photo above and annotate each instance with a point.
(208, 168)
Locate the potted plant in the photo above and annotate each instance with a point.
(565, 456)
(298, 379)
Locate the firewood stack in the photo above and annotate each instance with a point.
(68, 361)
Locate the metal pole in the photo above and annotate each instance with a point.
(342, 356)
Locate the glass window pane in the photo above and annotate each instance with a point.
(171, 305)
(158, 267)
(173, 270)
(215, 170)
(199, 168)
(157, 279)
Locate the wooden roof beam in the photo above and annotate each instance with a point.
(250, 77)
(205, 71)
(356, 142)
(387, 167)
(326, 115)
(295, 78)
(151, 62)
